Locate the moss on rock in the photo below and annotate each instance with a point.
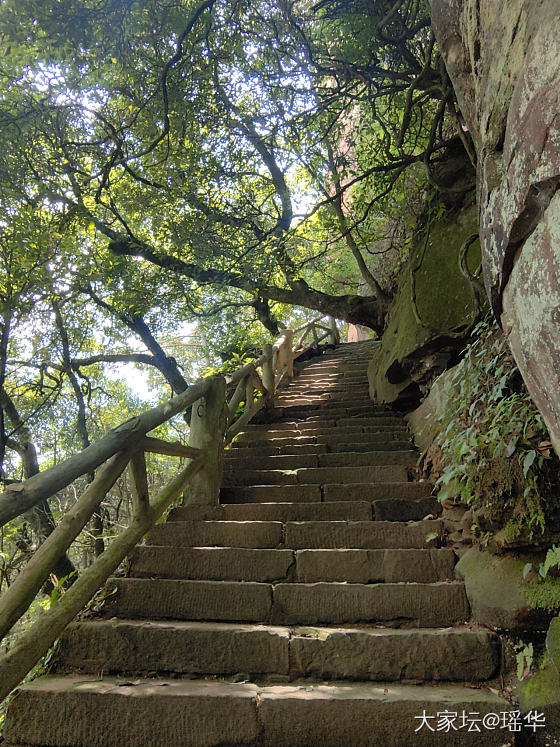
(435, 305)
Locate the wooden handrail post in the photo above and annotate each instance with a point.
(286, 353)
(268, 370)
(335, 334)
(208, 425)
(315, 335)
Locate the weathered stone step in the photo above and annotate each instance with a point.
(387, 439)
(317, 380)
(269, 433)
(321, 385)
(367, 492)
(132, 647)
(328, 390)
(323, 393)
(425, 605)
(340, 459)
(326, 411)
(284, 461)
(358, 511)
(300, 425)
(367, 458)
(316, 475)
(306, 566)
(213, 563)
(217, 534)
(392, 509)
(328, 364)
(320, 420)
(328, 492)
(306, 534)
(375, 566)
(86, 712)
(162, 598)
(360, 534)
(271, 494)
(263, 449)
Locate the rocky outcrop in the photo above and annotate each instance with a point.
(503, 57)
(426, 326)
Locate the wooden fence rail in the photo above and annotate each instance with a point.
(221, 408)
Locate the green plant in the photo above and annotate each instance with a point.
(494, 447)
(524, 658)
(552, 560)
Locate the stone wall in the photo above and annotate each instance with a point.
(503, 57)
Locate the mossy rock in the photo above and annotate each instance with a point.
(434, 306)
(541, 692)
(496, 592)
(424, 422)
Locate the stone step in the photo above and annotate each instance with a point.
(375, 566)
(217, 534)
(367, 492)
(361, 534)
(346, 510)
(337, 439)
(284, 462)
(296, 535)
(263, 449)
(369, 442)
(316, 475)
(340, 366)
(354, 492)
(391, 509)
(301, 425)
(327, 392)
(85, 712)
(317, 380)
(213, 563)
(351, 433)
(305, 566)
(322, 412)
(321, 384)
(425, 605)
(340, 459)
(271, 494)
(380, 510)
(322, 421)
(132, 647)
(368, 458)
(341, 397)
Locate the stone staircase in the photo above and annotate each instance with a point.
(313, 607)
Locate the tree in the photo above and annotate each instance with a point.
(186, 135)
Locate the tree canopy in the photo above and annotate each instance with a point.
(229, 164)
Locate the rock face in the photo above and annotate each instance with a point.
(426, 326)
(503, 57)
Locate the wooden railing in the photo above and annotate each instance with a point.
(221, 408)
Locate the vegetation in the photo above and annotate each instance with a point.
(493, 451)
(180, 181)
